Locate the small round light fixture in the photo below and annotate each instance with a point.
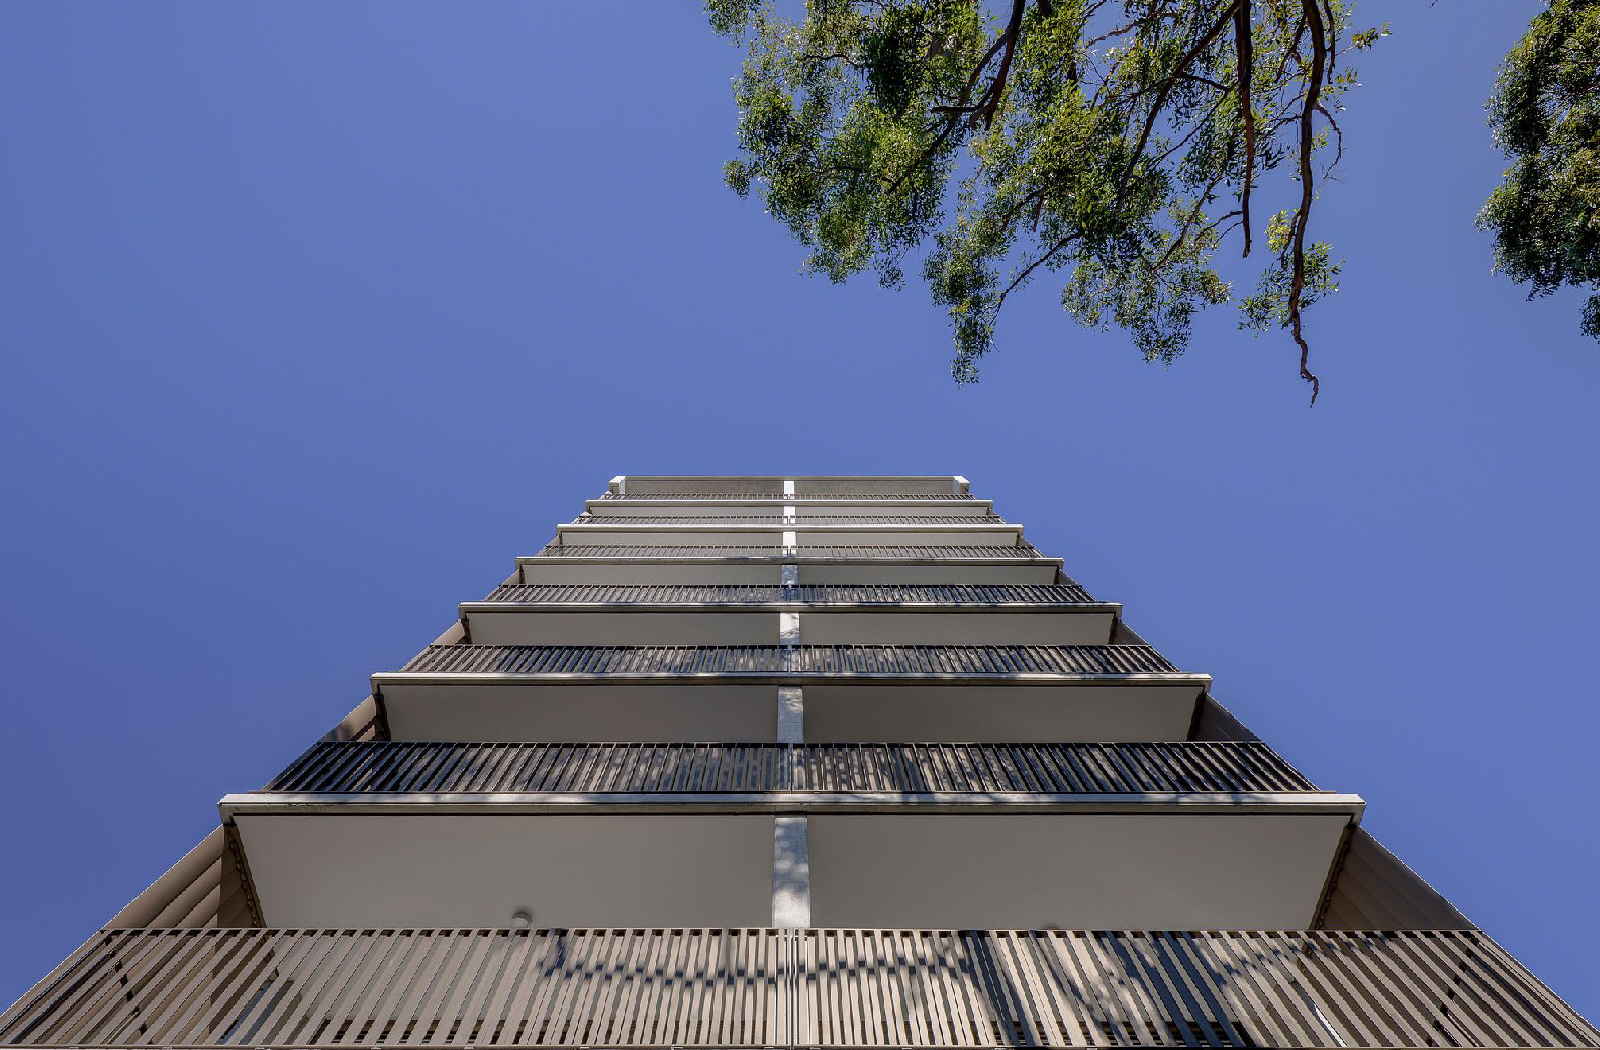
(522, 919)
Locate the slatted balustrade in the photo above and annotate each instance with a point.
(808, 594)
(770, 518)
(831, 660)
(1022, 551)
(781, 988)
(802, 497)
(1055, 769)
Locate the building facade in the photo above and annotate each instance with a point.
(770, 762)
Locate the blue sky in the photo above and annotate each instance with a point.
(314, 316)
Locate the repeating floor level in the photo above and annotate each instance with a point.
(754, 762)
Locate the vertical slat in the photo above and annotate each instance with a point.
(844, 988)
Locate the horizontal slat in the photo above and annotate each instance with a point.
(768, 987)
(875, 660)
(810, 594)
(403, 766)
(1023, 551)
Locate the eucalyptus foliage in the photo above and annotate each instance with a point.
(1545, 115)
(1120, 143)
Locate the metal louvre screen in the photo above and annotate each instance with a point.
(1022, 551)
(403, 766)
(754, 988)
(814, 497)
(776, 517)
(818, 594)
(832, 660)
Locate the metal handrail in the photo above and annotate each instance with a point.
(833, 660)
(679, 768)
(803, 497)
(1022, 551)
(589, 518)
(889, 594)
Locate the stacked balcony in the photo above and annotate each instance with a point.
(766, 761)
(674, 834)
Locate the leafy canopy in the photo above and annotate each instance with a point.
(1545, 115)
(1118, 142)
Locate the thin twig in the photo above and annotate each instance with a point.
(1032, 267)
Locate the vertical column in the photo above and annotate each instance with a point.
(791, 715)
(790, 543)
(791, 874)
(791, 866)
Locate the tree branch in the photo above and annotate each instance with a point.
(1207, 81)
(1244, 49)
(1319, 54)
(955, 115)
(1338, 136)
(1166, 89)
(1188, 223)
(997, 89)
(1023, 276)
(1103, 37)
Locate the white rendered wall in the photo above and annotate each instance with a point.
(577, 713)
(455, 870)
(968, 627)
(888, 572)
(1094, 872)
(632, 627)
(1000, 713)
(560, 570)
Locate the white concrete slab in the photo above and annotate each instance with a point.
(1101, 871)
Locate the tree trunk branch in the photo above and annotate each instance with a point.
(1319, 57)
(1244, 49)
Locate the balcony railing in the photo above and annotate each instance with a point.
(800, 519)
(784, 988)
(831, 660)
(1052, 769)
(886, 594)
(1022, 551)
(803, 497)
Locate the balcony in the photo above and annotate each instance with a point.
(773, 494)
(807, 532)
(905, 773)
(759, 563)
(898, 596)
(868, 692)
(777, 517)
(933, 486)
(374, 833)
(886, 614)
(789, 988)
(796, 663)
(892, 508)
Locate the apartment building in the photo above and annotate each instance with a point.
(779, 762)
